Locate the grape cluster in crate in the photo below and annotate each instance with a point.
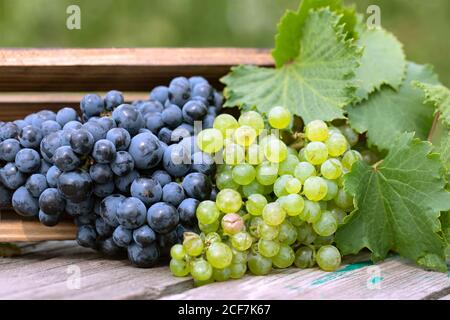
(122, 171)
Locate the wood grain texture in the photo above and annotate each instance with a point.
(123, 69)
(16, 230)
(46, 271)
(395, 278)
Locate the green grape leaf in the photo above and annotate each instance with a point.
(290, 27)
(397, 205)
(445, 223)
(383, 62)
(388, 113)
(440, 97)
(316, 85)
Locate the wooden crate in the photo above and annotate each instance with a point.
(36, 79)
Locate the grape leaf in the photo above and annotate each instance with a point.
(287, 39)
(316, 85)
(383, 62)
(397, 205)
(440, 97)
(388, 113)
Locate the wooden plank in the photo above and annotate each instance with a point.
(46, 271)
(134, 69)
(393, 279)
(14, 228)
(17, 105)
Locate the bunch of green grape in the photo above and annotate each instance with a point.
(276, 206)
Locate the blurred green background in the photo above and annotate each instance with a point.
(422, 26)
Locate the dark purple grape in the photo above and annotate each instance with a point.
(75, 186)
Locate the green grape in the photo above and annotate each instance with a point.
(292, 152)
(316, 152)
(255, 204)
(233, 154)
(241, 241)
(252, 119)
(253, 188)
(207, 212)
(268, 190)
(293, 185)
(224, 180)
(351, 136)
(201, 270)
(219, 255)
(339, 214)
(284, 258)
(210, 140)
(279, 117)
(208, 228)
(267, 232)
(328, 258)
(226, 124)
(244, 136)
(311, 211)
(193, 244)
(255, 154)
(288, 165)
(316, 130)
(243, 174)
(326, 225)
(228, 201)
(267, 173)
(275, 150)
(268, 248)
(336, 144)
(331, 169)
(301, 155)
(296, 220)
(239, 256)
(220, 275)
(293, 204)
(369, 157)
(279, 186)
(323, 205)
(332, 190)
(224, 167)
(273, 214)
(304, 170)
(333, 130)
(322, 241)
(238, 270)
(305, 257)
(177, 252)
(232, 223)
(254, 226)
(343, 200)
(179, 268)
(211, 238)
(349, 158)
(287, 234)
(315, 188)
(305, 234)
(259, 265)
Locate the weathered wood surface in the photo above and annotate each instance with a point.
(135, 69)
(48, 271)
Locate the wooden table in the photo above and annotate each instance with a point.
(63, 270)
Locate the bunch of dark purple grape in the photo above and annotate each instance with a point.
(130, 175)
